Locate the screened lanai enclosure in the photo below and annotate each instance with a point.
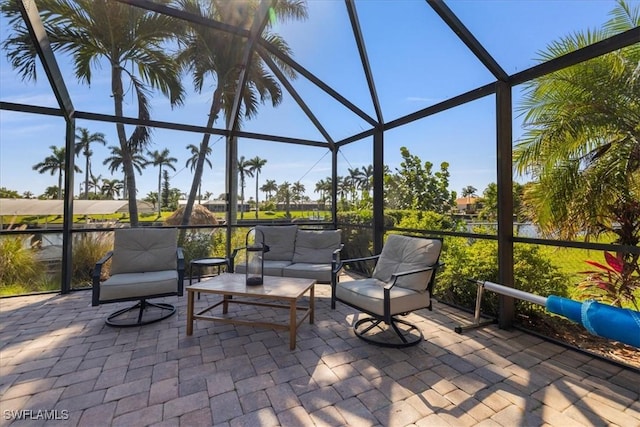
(461, 120)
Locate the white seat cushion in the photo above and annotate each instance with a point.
(270, 268)
(138, 285)
(368, 294)
(319, 272)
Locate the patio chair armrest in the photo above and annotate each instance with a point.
(396, 276)
(367, 258)
(97, 272)
(180, 256)
(232, 259)
(336, 263)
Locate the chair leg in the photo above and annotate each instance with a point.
(142, 307)
(389, 336)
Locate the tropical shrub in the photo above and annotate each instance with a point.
(423, 220)
(474, 259)
(87, 249)
(18, 265)
(615, 283)
(197, 244)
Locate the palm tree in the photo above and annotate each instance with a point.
(160, 159)
(269, 187)
(94, 182)
(297, 191)
(244, 170)
(115, 162)
(582, 143)
(208, 52)
(355, 179)
(284, 194)
(342, 185)
(193, 161)
(469, 191)
(256, 165)
(582, 146)
(366, 180)
(55, 163)
(111, 188)
(324, 188)
(50, 192)
(133, 47)
(84, 139)
(152, 197)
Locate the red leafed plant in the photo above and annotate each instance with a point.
(616, 283)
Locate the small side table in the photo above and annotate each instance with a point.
(200, 263)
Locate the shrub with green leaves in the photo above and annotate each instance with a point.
(18, 265)
(197, 244)
(87, 249)
(477, 259)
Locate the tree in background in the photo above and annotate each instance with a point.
(84, 139)
(50, 192)
(115, 162)
(193, 161)
(269, 188)
(160, 159)
(582, 142)
(256, 165)
(244, 170)
(94, 183)
(284, 195)
(469, 191)
(55, 163)
(419, 188)
(489, 202)
(297, 192)
(324, 188)
(111, 188)
(152, 197)
(5, 193)
(135, 41)
(207, 52)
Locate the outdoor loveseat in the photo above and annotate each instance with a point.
(294, 252)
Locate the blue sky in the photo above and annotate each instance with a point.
(416, 62)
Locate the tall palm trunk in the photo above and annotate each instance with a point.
(216, 106)
(60, 184)
(86, 175)
(127, 161)
(159, 189)
(257, 174)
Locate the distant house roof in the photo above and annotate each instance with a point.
(465, 201)
(36, 207)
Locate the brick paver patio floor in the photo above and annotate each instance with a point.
(58, 358)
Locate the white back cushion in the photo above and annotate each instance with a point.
(404, 253)
(316, 246)
(138, 250)
(280, 239)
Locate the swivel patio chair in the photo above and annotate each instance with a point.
(146, 263)
(402, 282)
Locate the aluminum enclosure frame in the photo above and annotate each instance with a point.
(501, 89)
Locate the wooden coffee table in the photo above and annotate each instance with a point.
(233, 289)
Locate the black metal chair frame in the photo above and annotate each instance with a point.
(143, 304)
(408, 337)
